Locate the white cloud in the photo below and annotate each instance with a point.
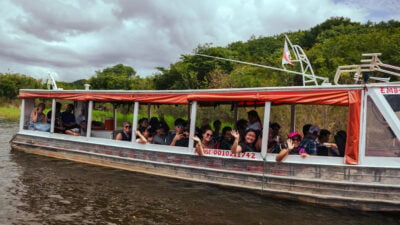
(75, 38)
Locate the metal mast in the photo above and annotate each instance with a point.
(306, 68)
(307, 72)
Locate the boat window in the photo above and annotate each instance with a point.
(394, 102)
(222, 120)
(32, 105)
(156, 123)
(380, 140)
(326, 117)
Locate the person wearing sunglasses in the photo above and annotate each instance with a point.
(205, 142)
(126, 133)
(292, 147)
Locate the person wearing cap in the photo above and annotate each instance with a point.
(160, 137)
(309, 144)
(293, 143)
(180, 137)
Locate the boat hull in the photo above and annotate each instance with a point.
(356, 187)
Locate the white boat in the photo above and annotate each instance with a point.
(367, 177)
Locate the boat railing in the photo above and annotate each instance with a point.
(364, 70)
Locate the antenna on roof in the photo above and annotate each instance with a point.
(305, 65)
(51, 83)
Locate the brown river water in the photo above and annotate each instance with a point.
(41, 190)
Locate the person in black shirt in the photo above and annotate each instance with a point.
(126, 133)
(226, 139)
(180, 137)
(247, 144)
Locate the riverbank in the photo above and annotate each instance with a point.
(10, 113)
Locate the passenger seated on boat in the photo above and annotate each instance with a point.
(58, 124)
(144, 135)
(153, 121)
(274, 140)
(340, 140)
(241, 126)
(58, 127)
(227, 139)
(68, 119)
(248, 141)
(126, 133)
(160, 134)
(37, 119)
(143, 123)
(291, 148)
(324, 147)
(306, 129)
(309, 144)
(217, 128)
(180, 137)
(205, 142)
(254, 120)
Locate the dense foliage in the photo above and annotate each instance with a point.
(11, 83)
(335, 42)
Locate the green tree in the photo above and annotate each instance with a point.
(11, 83)
(117, 77)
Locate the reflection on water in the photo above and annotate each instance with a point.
(41, 190)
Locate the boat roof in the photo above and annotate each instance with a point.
(332, 95)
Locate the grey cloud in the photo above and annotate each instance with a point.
(56, 20)
(75, 38)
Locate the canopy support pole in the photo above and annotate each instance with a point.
(115, 116)
(235, 112)
(22, 116)
(135, 120)
(292, 118)
(53, 115)
(264, 143)
(192, 124)
(148, 111)
(89, 121)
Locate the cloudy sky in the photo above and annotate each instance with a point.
(72, 39)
